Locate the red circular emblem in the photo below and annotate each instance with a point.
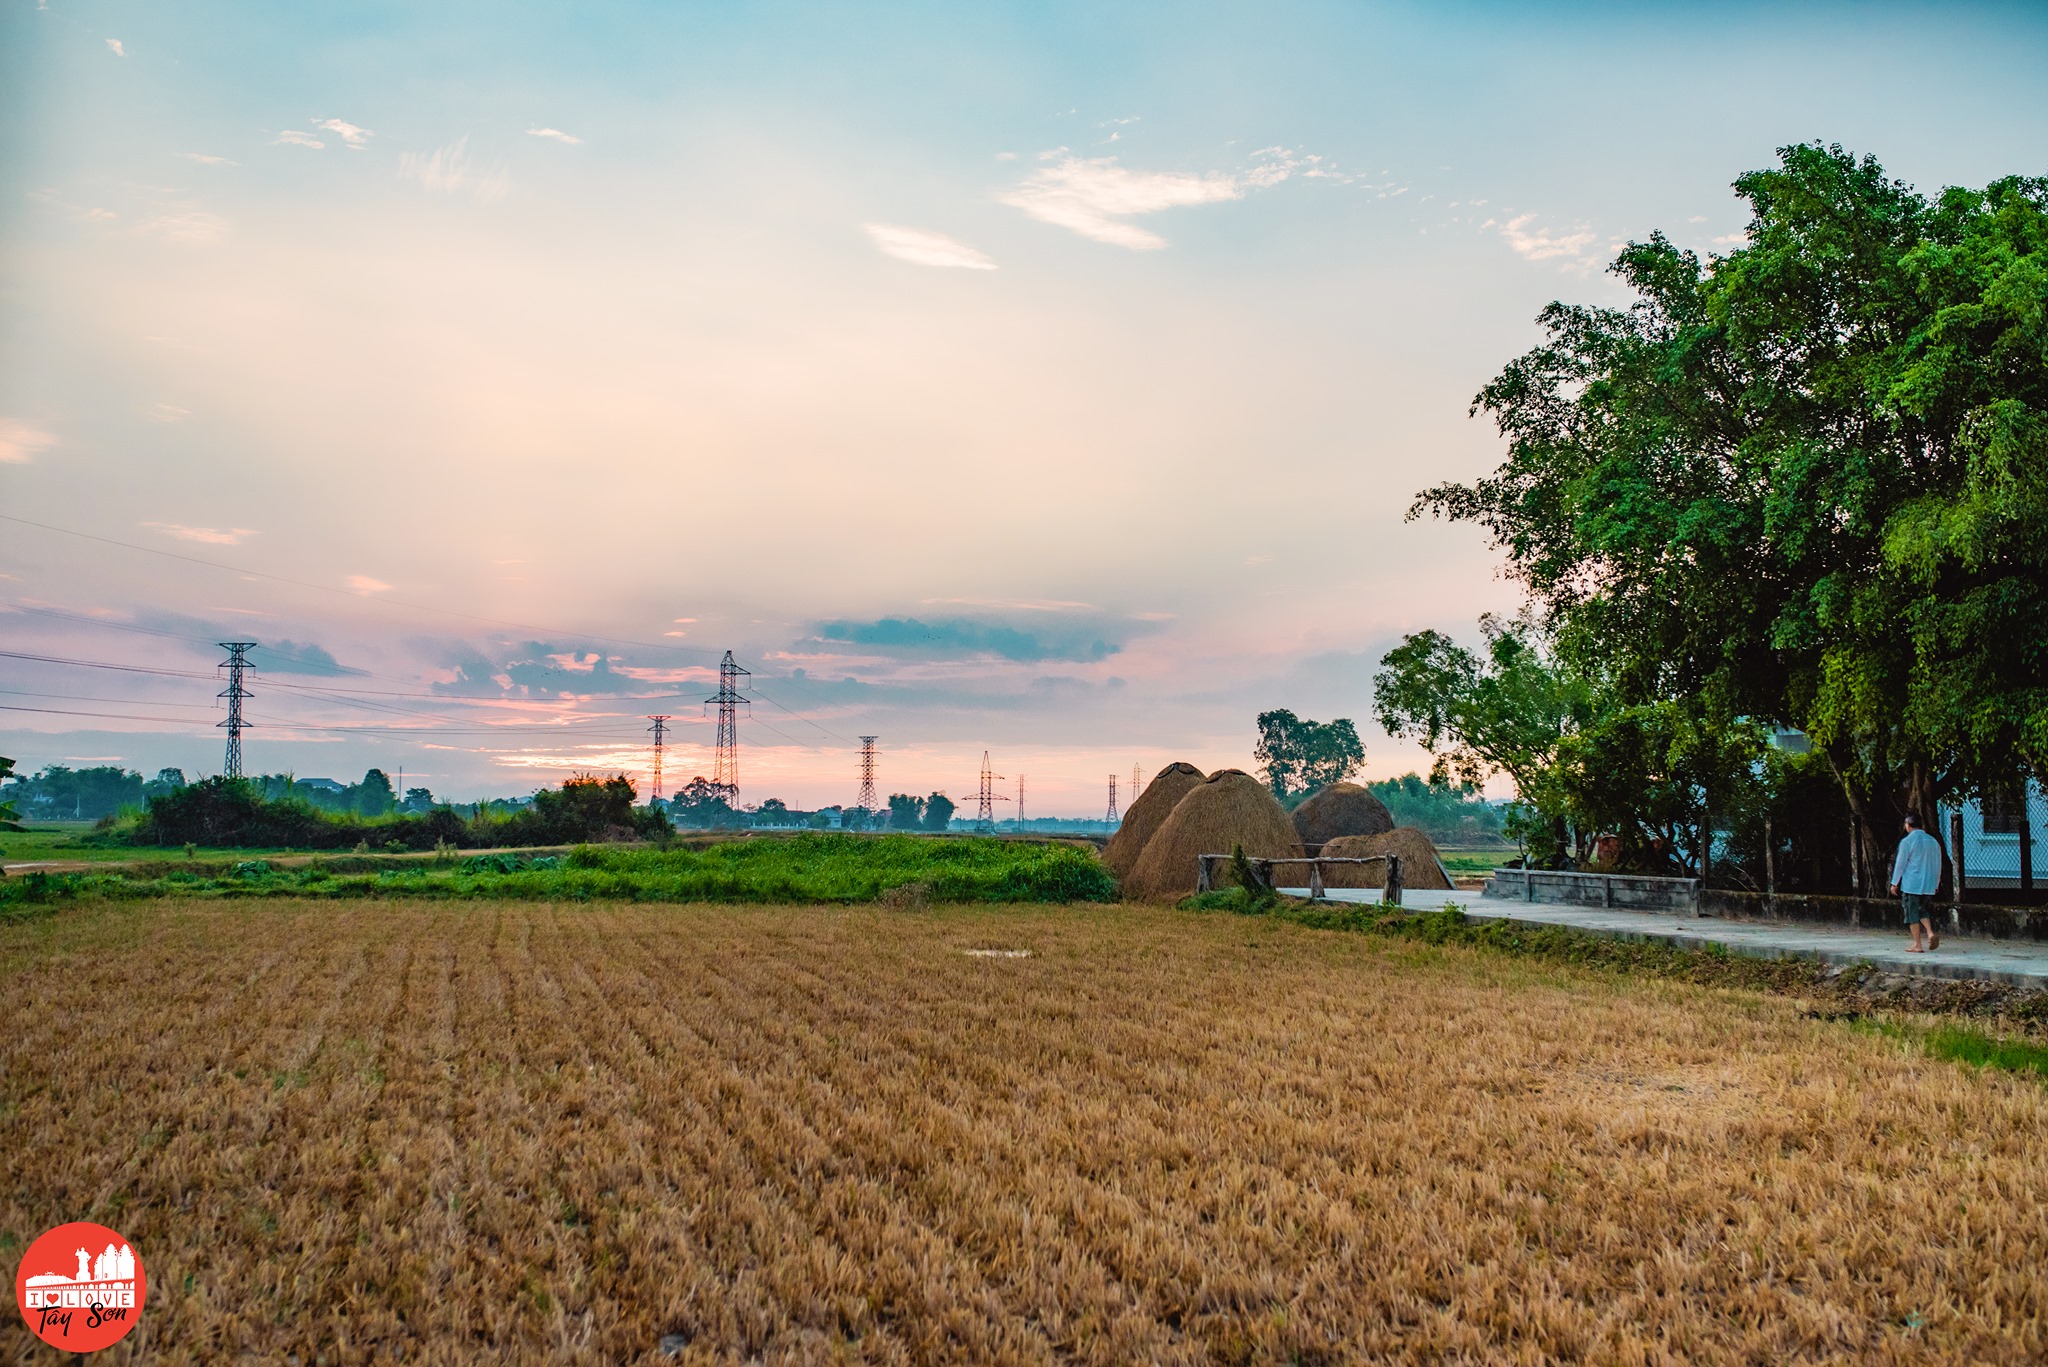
(80, 1287)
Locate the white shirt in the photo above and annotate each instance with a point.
(1917, 869)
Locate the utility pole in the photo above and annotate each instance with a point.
(236, 662)
(725, 763)
(1111, 819)
(867, 801)
(1020, 804)
(660, 730)
(1135, 789)
(987, 798)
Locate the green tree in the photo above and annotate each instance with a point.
(166, 781)
(701, 804)
(906, 813)
(1298, 756)
(374, 795)
(1804, 483)
(938, 812)
(10, 820)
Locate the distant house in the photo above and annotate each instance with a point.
(327, 787)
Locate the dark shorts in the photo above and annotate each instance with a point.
(1919, 906)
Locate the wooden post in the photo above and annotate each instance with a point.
(1315, 880)
(1262, 871)
(2026, 804)
(1770, 867)
(1958, 877)
(1394, 879)
(1528, 884)
(1202, 883)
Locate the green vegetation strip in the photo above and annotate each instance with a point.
(815, 868)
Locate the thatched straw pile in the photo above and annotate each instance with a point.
(1148, 814)
(1231, 808)
(1420, 867)
(1339, 810)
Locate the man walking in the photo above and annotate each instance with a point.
(1916, 875)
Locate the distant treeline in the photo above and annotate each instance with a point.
(1448, 814)
(237, 813)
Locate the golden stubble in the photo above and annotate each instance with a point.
(518, 1133)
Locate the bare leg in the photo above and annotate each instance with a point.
(1933, 937)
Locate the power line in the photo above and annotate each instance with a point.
(113, 716)
(351, 593)
(430, 608)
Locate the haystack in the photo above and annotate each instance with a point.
(1420, 867)
(1146, 815)
(1232, 808)
(1339, 810)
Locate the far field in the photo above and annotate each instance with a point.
(531, 1132)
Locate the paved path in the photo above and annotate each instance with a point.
(2021, 962)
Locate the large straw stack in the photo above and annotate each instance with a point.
(1232, 808)
(1147, 814)
(1339, 810)
(1420, 867)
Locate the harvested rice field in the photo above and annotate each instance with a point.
(455, 1133)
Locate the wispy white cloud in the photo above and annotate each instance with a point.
(211, 536)
(114, 46)
(1543, 244)
(1731, 240)
(927, 248)
(19, 442)
(183, 224)
(1096, 198)
(451, 170)
(557, 134)
(292, 137)
(207, 159)
(166, 412)
(346, 131)
(363, 584)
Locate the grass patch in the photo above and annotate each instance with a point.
(1980, 1050)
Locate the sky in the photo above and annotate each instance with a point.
(1050, 380)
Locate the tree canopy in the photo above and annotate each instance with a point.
(1298, 756)
(1805, 483)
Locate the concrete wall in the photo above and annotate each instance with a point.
(1627, 891)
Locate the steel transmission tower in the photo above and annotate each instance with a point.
(1111, 819)
(987, 798)
(1135, 789)
(660, 730)
(1020, 802)
(867, 801)
(725, 764)
(236, 662)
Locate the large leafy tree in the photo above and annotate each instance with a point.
(1299, 756)
(1805, 483)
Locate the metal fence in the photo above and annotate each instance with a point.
(2002, 839)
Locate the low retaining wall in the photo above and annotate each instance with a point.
(1975, 919)
(1624, 891)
